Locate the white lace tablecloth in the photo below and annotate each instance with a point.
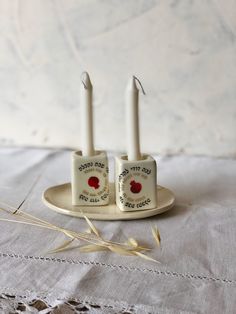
(197, 273)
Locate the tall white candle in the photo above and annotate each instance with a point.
(86, 103)
(132, 120)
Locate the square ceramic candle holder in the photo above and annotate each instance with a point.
(89, 179)
(136, 183)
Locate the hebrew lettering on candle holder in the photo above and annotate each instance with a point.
(89, 182)
(135, 183)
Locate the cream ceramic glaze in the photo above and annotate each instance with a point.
(89, 179)
(58, 198)
(136, 183)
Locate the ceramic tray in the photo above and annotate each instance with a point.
(58, 198)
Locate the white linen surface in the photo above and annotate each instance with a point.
(198, 257)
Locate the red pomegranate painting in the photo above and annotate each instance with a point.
(93, 182)
(135, 187)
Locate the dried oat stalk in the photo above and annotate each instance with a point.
(93, 241)
(156, 235)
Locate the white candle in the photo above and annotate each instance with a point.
(86, 102)
(132, 120)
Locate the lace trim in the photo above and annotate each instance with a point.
(12, 302)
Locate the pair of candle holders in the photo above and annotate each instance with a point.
(135, 181)
(133, 195)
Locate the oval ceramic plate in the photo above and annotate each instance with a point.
(58, 198)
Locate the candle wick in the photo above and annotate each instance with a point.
(82, 79)
(84, 85)
(140, 84)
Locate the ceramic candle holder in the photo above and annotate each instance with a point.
(89, 179)
(136, 183)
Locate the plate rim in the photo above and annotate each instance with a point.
(141, 214)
